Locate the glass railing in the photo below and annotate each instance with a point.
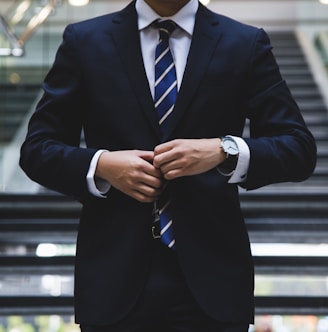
(321, 42)
(20, 88)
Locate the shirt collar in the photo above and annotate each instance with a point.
(185, 17)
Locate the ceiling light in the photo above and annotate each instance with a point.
(78, 3)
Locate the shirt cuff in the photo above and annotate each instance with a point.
(97, 187)
(240, 172)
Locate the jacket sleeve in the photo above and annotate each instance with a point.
(51, 154)
(282, 149)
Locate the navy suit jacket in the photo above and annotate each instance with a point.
(98, 83)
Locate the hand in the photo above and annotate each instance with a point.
(183, 157)
(132, 172)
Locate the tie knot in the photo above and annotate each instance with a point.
(165, 28)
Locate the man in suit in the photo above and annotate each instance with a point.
(103, 81)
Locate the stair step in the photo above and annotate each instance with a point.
(281, 43)
(288, 52)
(287, 230)
(320, 133)
(296, 71)
(300, 93)
(38, 206)
(298, 82)
(291, 62)
(314, 104)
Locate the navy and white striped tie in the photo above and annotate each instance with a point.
(165, 96)
(165, 76)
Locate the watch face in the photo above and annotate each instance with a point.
(230, 146)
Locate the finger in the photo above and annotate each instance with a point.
(148, 167)
(161, 148)
(153, 182)
(149, 191)
(153, 171)
(146, 194)
(142, 198)
(173, 174)
(146, 155)
(169, 166)
(164, 158)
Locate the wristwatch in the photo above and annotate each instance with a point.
(230, 148)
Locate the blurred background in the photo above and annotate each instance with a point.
(287, 223)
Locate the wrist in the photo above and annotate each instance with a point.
(229, 148)
(102, 165)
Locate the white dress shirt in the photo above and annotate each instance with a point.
(180, 41)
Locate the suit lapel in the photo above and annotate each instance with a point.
(126, 38)
(125, 35)
(206, 35)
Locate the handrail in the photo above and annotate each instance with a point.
(315, 62)
(321, 41)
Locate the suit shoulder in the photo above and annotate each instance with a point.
(243, 32)
(236, 25)
(102, 22)
(94, 23)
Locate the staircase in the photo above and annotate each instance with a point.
(284, 213)
(295, 70)
(294, 212)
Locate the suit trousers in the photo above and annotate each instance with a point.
(166, 304)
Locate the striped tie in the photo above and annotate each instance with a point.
(165, 77)
(165, 96)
